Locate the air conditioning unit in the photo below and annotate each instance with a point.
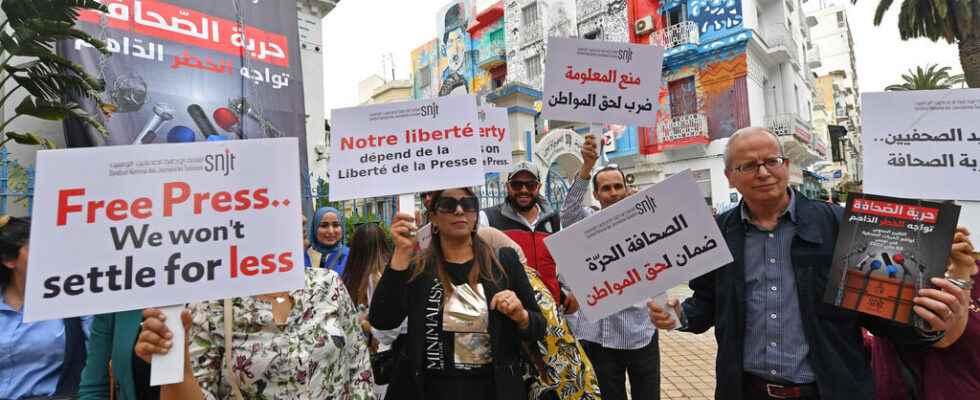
(643, 25)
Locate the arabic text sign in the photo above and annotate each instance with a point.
(593, 81)
(397, 148)
(496, 143)
(116, 229)
(916, 143)
(640, 247)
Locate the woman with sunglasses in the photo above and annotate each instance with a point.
(468, 309)
(326, 236)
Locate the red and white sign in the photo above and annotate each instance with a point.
(123, 227)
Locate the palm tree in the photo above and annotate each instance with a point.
(956, 21)
(52, 82)
(927, 79)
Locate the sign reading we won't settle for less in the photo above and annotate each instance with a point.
(115, 229)
(406, 147)
(594, 81)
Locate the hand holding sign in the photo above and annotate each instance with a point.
(663, 318)
(403, 232)
(589, 157)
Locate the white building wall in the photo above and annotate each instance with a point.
(311, 57)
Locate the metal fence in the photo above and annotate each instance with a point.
(16, 182)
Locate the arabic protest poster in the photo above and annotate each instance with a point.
(397, 148)
(193, 70)
(115, 229)
(640, 247)
(922, 144)
(495, 137)
(608, 82)
(887, 249)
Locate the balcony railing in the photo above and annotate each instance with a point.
(790, 125)
(532, 33)
(590, 9)
(683, 127)
(676, 35)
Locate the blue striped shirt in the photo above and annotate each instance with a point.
(629, 329)
(775, 344)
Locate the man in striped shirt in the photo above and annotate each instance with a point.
(625, 342)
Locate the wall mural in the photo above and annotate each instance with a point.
(424, 56)
(714, 18)
(455, 62)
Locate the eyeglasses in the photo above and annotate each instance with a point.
(530, 185)
(448, 205)
(752, 167)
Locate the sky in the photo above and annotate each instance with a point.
(358, 33)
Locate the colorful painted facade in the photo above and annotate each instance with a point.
(704, 95)
(467, 56)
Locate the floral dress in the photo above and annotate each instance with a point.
(318, 354)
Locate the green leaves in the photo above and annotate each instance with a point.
(31, 139)
(56, 111)
(18, 11)
(933, 77)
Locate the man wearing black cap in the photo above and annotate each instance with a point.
(527, 220)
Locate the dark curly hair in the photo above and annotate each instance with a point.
(13, 235)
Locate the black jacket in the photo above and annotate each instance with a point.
(837, 353)
(395, 298)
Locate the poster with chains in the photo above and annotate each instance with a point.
(180, 71)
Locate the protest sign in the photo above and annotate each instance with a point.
(405, 147)
(495, 146)
(117, 229)
(594, 81)
(639, 247)
(922, 144)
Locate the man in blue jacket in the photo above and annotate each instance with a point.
(776, 337)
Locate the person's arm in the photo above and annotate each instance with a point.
(522, 288)
(961, 266)
(206, 354)
(350, 374)
(388, 305)
(698, 311)
(94, 384)
(572, 210)
(155, 338)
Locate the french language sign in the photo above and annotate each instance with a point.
(118, 229)
(405, 147)
(919, 144)
(595, 81)
(495, 146)
(639, 247)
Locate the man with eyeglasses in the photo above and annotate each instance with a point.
(624, 343)
(776, 336)
(526, 218)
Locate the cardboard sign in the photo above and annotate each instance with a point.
(397, 148)
(496, 145)
(639, 247)
(122, 227)
(922, 144)
(594, 81)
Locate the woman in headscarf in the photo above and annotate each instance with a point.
(326, 234)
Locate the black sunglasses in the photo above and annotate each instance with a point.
(448, 205)
(530, 185)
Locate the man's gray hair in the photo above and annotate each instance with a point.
(748, 131)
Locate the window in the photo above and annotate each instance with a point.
(841, 21)
(796, 95)
(529, 14)
(533, 65)
(594, 35)
(683, 97)
(677, 14)
(424, 77)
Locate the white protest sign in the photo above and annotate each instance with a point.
(922, 144)
(594, 81)
(495, 140)
(640, 247)
(396, 148)
(127, 227)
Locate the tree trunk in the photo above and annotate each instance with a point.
(970, 59)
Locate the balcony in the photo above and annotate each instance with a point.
(684, 33)
(780, 43)
(492, 56)
(532, 33)
(590, 9)
(676, 132)
(794, 134)
(813, 57)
